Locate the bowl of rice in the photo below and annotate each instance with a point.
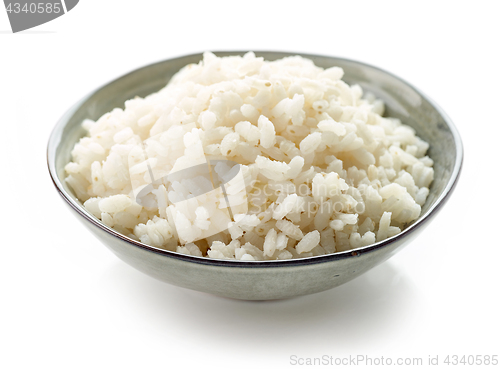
(255, 176)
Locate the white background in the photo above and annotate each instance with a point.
(67, 302)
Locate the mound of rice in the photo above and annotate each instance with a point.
(319, 169)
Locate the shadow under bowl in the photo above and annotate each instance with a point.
(263, 280)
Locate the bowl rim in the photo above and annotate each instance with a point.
(55, 139)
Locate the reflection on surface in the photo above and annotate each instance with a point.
(378, 304)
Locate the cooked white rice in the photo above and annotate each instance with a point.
(321, 171)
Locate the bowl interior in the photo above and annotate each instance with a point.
(402, 101)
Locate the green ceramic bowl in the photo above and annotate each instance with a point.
(262, 280)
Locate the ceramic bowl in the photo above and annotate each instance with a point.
(262, 280)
